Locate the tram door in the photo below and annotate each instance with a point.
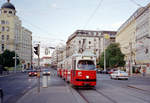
(74, 69)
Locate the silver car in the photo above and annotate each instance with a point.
(46, 72)
(119, 75)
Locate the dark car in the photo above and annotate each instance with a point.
(3, 70)
(32, 73)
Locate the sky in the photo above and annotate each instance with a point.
(52, 21)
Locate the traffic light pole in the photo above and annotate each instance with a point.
(38, 68)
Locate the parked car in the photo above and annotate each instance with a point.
(32, 73)
(45, 72)
(104, 71)
(110, 71)
(98, 71)
(119, 75)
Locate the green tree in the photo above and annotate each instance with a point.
(114, 57)
(6, 58)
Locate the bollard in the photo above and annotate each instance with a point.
(45, 81)
(38, 81)
(1, 95)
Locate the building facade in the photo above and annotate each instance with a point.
(82, 40)
(58, 55)
(45, 61)
(13, 36)
(133, 37)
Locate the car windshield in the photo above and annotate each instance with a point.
(45, 70)
(122, 72)
(86, 65)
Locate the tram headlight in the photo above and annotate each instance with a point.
(68, 72)
(87, 77)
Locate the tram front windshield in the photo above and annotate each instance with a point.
(86, 65)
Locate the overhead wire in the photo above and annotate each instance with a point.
(41, 29)
(93, 13)
(137, 4)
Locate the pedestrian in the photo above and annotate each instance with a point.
(144, 71)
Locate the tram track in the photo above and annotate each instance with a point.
(99, 94)
(139, 93)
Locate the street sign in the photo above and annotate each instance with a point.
(106, 36)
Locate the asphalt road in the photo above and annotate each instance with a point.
(16, 85)
(106, 90)
(116, 91)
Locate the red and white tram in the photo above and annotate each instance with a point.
(80, 69)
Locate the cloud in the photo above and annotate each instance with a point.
(54, 5)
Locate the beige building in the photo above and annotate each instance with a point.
(126, 37)
(13, 36)
(133, 37)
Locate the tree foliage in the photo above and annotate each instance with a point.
(6, 58)
(114, 57)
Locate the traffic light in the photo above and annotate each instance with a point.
(36, 50)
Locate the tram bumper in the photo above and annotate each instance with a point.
(85, 82)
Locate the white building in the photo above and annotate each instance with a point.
(82, 40)
(143, 38)
(45, 61)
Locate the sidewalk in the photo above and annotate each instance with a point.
(7, 74)
(141, 76)
(144, 82)
(54, 94)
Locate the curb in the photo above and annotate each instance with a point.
(136, 88)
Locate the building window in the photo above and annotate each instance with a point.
(89, 42)
(79, 42)
(3, 28)
(7, 22)
(2, 22)
(7, 37)
(5, 11)
(2, 47)
(10, 12)
(7, 28)
(2, 37)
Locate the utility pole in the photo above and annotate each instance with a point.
(130, 44)
(15, 61)
(104, 56)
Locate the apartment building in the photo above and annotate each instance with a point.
(13, 36)
(133, 37)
